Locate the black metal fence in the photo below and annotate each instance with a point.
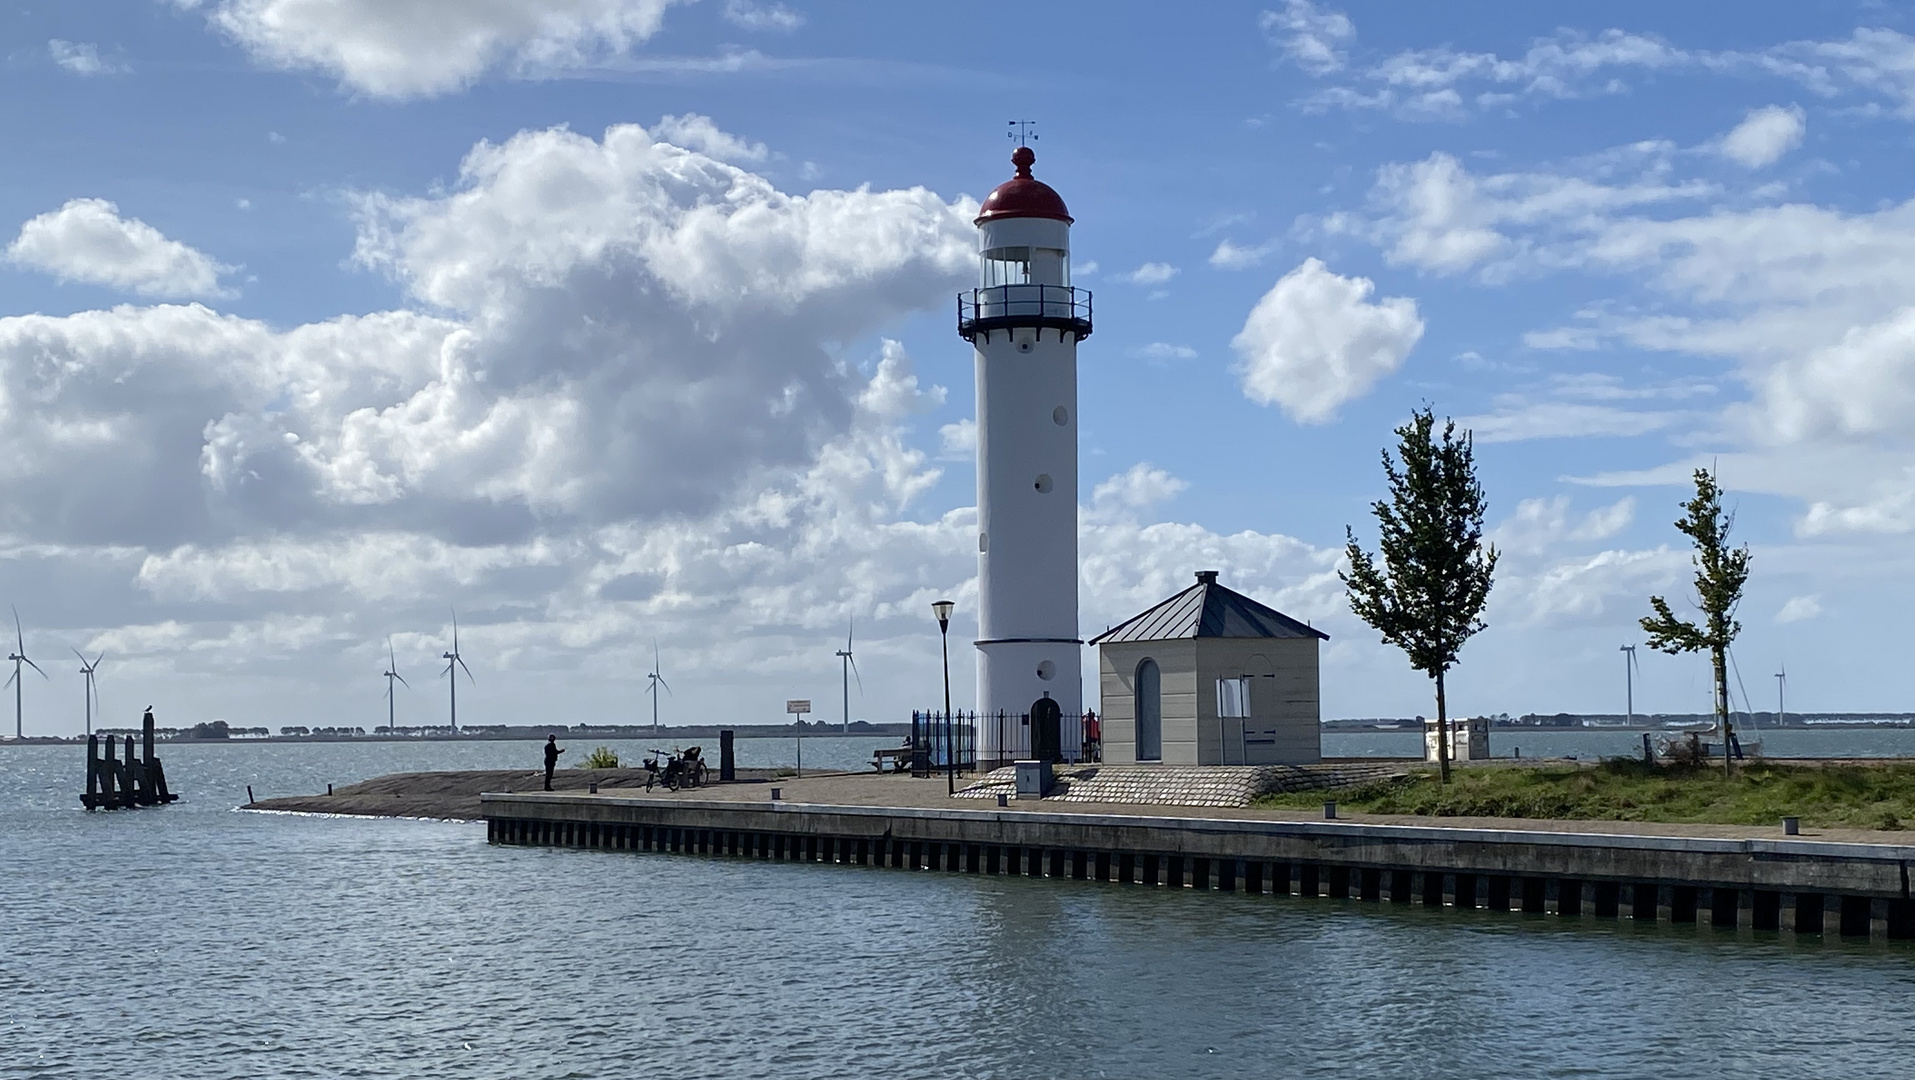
(939, 742)
(963, 738)
(1008, 739)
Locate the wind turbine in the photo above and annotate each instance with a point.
(847, 667)
(656, 680)
(19, 657)
(392, 672)
(1629, 670)
(1781, 680)
(454, 664)
(92, 692)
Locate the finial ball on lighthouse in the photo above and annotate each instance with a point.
(1023, 195)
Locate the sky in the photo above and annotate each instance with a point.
(622, 325)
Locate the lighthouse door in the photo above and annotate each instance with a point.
(1047, 738)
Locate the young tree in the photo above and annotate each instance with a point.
(1427, 596)
(1721, 571)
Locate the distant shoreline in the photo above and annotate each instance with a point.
(1554, 724)
(708, 732)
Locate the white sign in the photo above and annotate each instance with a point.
(798, 705)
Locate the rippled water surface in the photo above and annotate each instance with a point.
(195, 941)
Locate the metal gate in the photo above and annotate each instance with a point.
(939, 742)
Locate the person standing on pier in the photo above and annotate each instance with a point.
(552, 752)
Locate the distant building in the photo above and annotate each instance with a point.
(1469, 739)
(1210, 677)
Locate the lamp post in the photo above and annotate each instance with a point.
(942, 609)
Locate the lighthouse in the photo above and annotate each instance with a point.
(1024, 320)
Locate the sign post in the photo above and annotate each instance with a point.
(796, 707)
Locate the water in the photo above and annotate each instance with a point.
(199, 942)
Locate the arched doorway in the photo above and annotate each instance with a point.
(1149, 711)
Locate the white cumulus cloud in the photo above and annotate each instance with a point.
(87, 240)
(1151, 273)
(1234, 256)
(749, 15)
(1315, 341)
(695, 132)
(1308, 36)
(420, 48)
(81, 58)
(957, 440)
(1162, 352)
(1436, 215)
(1799, 608)
(1764, 136)
(1142, 485)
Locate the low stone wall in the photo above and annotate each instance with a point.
(1789, 885)
(1187, 785)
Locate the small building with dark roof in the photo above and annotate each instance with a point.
(1210, 677)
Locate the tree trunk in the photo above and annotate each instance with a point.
(1442, 731)
(1720, 656)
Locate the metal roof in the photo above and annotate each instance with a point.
(1207, 609)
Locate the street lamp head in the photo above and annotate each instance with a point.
(942, 609)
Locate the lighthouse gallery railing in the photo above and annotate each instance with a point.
(1009, 307)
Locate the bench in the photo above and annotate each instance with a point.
(898, 757)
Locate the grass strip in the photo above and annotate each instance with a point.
(1622, 789)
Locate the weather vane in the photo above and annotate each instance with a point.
(1023, 133)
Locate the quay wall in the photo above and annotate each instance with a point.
(1793, 885)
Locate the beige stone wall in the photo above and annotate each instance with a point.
(1117, 667)
(1283, 727)
(1285, 710)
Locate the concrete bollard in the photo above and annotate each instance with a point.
(777, 794)
(1791, 826)
(1329, 811)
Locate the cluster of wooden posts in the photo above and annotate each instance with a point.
(115, 784)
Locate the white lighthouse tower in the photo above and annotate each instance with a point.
(1025, 321)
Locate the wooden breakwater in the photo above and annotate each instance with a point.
(1795, 886)
(123, 783)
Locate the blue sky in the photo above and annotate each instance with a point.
(614, 321)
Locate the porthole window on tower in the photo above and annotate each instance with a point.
(1061, 416)
(1043, 484)
(1047, 671)
(984, 541)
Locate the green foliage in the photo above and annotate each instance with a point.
(602, 757)
(1628, 789)
(1721, 572)
(1427, 597)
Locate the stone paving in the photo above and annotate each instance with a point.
(1186, 785)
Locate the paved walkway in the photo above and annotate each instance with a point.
(455, 795)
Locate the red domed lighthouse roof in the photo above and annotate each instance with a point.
(1022, 195)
